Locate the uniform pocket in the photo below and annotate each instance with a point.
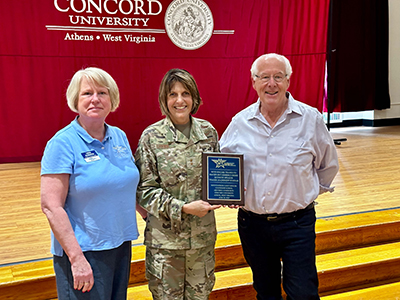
(209, 265)
(153, 267)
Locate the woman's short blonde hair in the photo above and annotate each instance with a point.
(96, 76)
(170, 78)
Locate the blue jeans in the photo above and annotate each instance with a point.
(111, 270)
(292, 240)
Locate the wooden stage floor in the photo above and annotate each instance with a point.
(368, 180)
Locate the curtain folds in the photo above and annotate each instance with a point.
(359, 44)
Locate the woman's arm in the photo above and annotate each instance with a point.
(53, 193)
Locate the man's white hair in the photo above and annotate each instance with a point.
(288, 67)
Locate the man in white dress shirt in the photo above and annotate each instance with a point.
(289, 159)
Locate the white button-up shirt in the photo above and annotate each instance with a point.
(285, 167)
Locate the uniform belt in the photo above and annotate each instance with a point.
(280, 217)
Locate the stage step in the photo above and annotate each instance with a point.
(358, 267)
(333, 234)
(36, 280)
(28, 281)
(349, 269)
(356, 230)
(389, 291)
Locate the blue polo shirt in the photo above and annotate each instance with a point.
(101, 200)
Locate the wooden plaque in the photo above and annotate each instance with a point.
(223, 178)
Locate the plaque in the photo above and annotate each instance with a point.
(223, 178)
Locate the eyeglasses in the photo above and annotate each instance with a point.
(277, 77)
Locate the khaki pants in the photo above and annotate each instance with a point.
(180, 274)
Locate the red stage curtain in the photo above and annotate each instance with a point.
(37, 63)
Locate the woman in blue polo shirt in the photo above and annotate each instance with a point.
(88, 193)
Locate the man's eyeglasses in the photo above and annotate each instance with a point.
(277, 77)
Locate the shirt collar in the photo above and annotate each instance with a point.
(86, 136)
(293, 107)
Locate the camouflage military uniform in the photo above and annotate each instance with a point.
(170, 168)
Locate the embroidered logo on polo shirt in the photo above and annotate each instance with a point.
(121, 151)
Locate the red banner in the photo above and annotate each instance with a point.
(43, 43)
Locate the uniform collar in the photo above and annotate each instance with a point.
(174, 135)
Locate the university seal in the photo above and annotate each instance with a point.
(189, 23)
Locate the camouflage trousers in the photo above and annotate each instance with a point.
(180, 274)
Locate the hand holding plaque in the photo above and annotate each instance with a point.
(223, 178)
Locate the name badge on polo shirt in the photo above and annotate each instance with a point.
(90, 156)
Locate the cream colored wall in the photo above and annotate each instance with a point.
(394, 64)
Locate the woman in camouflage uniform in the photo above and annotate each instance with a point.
(180, 232)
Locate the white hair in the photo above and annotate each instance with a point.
(95, 76)
(288, 67)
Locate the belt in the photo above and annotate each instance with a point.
(280, 217)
